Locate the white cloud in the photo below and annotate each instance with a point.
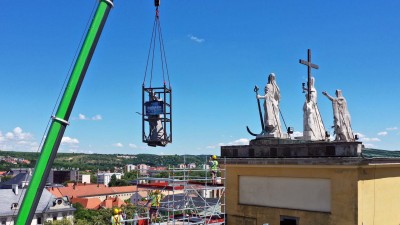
(391, 128)
(366, 139)
(241, 141)
(132, 146)
(97, 117)
(119, 145)
(382, 133)
(369, 145)
(18, 134)
(17, 130)
(297, 134)
(360, 135)
(69, 141)
(196, 39)
(9, 135)
(18, 140)
(82, 117)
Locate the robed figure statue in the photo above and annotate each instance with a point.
(313, 127)
(341, 117)
(272, 124)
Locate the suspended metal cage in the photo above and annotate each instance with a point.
(157, 115)
(156, 101)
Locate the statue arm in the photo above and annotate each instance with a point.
(261, 96)
(328, 96)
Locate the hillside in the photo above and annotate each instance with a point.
(102, 161)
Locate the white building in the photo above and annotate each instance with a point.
(205, 167)
(143, 169)
(130, 167)
(181, 166)
(105, 178)
(191, 165)
(84, 178)
(49, 207)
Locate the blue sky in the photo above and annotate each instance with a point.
(216, 50)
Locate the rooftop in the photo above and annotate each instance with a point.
(378, 153)
(89, 190)
(8, 197)
(18, 179)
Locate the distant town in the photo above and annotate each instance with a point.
(89, 194)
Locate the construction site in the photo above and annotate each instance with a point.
(186, 197)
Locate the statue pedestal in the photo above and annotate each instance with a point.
(289, 148)
(272, 136)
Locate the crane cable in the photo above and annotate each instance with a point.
(164, 65)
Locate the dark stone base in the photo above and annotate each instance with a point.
(287, 148)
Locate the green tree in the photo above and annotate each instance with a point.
(113, 181)
(130, 175)
(93, 179)
(82, 222)
(129, 210)
(162, 174)
(91, 217)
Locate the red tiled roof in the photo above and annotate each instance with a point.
(95, 203)
(90, 190)
(163, 185)
(88, 203)
(111, 202)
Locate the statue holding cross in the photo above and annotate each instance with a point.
(313, 127)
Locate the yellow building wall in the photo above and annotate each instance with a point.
(344, 195)
(379, 195)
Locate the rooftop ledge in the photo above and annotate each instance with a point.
(286, 151)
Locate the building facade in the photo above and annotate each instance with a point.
(105, 178)
(313, 190)
(56, 176)
(143, 169)
(84, 178)
(50, 208)
(129, 167)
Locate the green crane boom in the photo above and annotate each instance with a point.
(60, 120)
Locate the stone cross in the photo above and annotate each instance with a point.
(309, 66)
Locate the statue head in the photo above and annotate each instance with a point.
(312, 80)
(339, 93)
(271, 78)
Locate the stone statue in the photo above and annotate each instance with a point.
(272, 123)
(313, 127)
(341, 117)
(156, 127)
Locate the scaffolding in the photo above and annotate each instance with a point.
(188, 197)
